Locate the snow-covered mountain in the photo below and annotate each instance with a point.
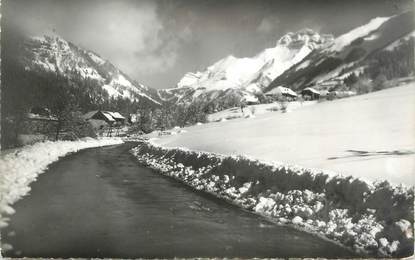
(351, 53)
(298, 60)
(53, 53)
(234, 77)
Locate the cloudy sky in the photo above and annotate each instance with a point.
(157, 42)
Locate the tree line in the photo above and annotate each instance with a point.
(382, 66)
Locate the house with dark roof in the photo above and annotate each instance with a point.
(40, 114)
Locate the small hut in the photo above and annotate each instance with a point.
(250, 100)
(117, 117)
(99, 117)
(282, 91)
(310, 94)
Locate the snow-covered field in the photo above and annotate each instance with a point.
(255, 110)
(20, 167)
(368, 136)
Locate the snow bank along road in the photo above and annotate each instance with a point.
(369, 136)
(100, 203)
(372, 219)
(20, 167)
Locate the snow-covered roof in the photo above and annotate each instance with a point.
(40, 117)
(282, 90)
(312, 90)
(108, 116)
(250, 98)
(116, 115)
(90, 114)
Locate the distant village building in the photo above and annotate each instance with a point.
(37, 124)
(99, 119)
(340, 94)
(40, 114)
(282, 91)
(250, 100)
(310, 94)
(330, 84)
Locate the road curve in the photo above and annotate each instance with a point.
(100, 203)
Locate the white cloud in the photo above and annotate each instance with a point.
(268, 24)
(155, 61)
(132, 37)
(161, 52)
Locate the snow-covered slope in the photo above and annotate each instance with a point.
(398, 42)
(53, 53)
(361, 31)
(243, 77)
(352, 52)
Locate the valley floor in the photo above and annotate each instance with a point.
(255, 110)
(369, 136)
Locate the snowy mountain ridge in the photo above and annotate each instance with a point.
(351, 53)
(53, 53)
(361, 31)
(242, 78)
(255, 72)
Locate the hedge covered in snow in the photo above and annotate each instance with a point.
(21, 167)
(373, 219)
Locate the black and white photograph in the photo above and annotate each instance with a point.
(148, 129)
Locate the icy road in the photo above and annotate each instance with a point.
(100, 203)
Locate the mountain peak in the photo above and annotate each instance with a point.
(55, 54)
(233, 78)
(356, 51)
(305, 37)
(50, 37)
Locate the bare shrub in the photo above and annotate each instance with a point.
(283, 105)
(363, 86)
(274, 109)
(380, 82)
(252, 109)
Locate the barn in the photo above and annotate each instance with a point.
(310, 94)
(250, 100)
(282, 91)
(99, 118)
(117, 117)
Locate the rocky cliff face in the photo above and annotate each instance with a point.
(54, 54)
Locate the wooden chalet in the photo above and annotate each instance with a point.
(310, 94)
(282, 91)
(107, 117)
